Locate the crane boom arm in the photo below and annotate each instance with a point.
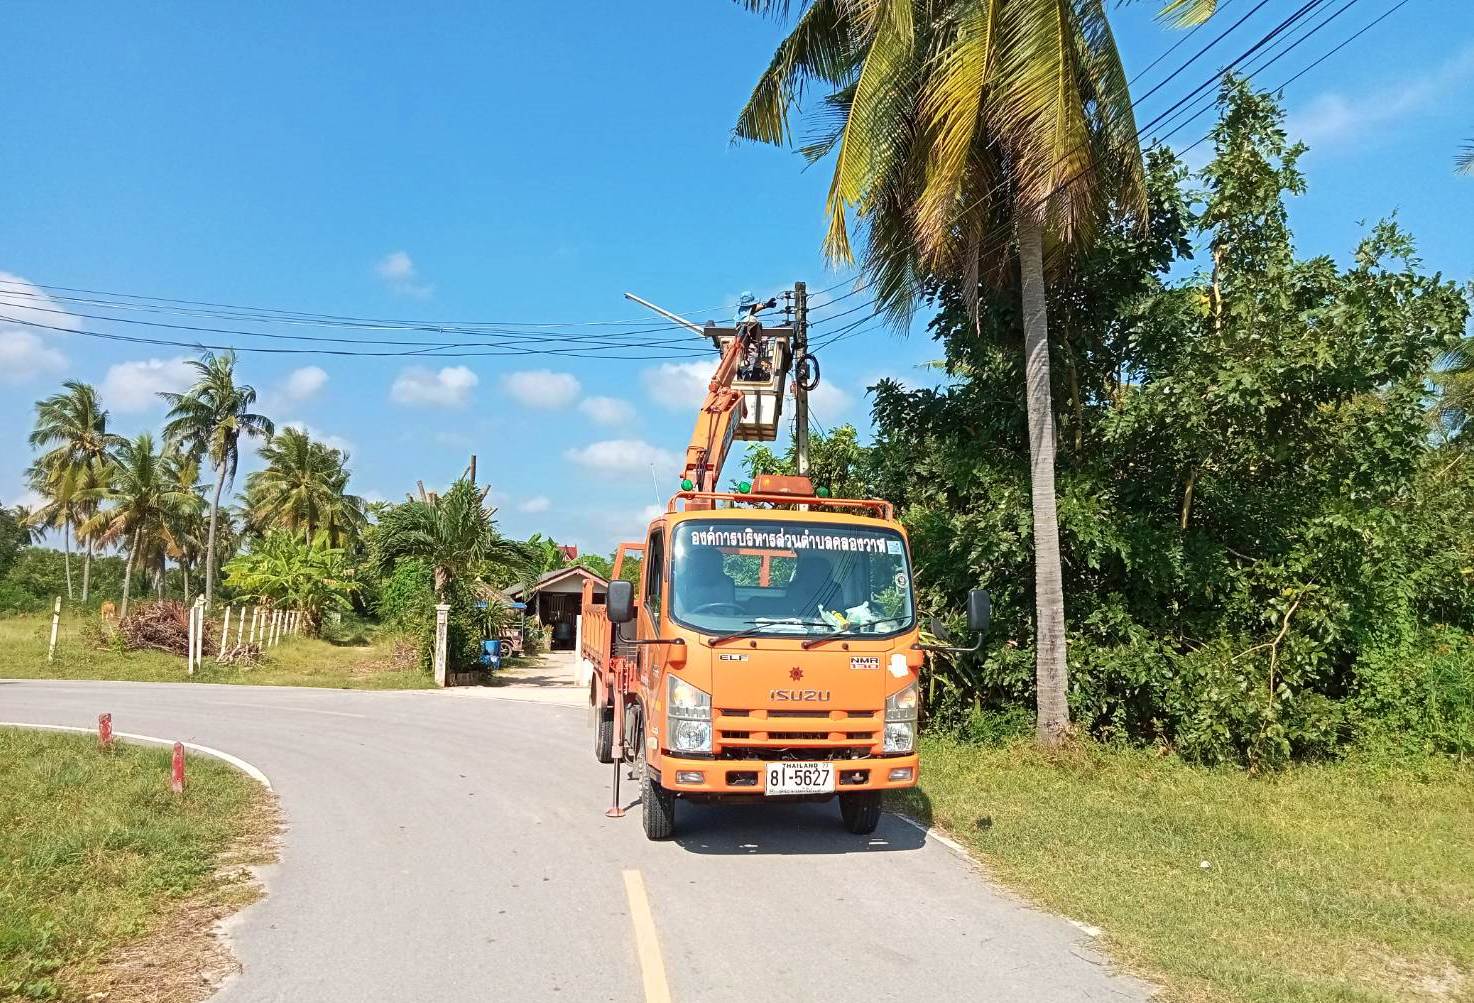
(715, 422)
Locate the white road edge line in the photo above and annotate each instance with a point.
(647, 944)
(204, 750)
(960, 850)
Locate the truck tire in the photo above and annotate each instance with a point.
(604, 734)
(657, 805)
(860, 811)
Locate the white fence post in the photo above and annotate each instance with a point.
(224, 632)
(194, 612)
(240, 627)
(442, 619)
(55, 622)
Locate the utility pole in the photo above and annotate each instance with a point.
(800, 395)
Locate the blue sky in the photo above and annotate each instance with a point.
(531, 163)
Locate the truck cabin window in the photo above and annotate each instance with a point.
(778, 577)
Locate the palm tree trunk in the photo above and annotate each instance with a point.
(1051, 671)
(163, 574)
(184, 569)
(66, 554)
(87, 571)
(128, 575)
(210, 537)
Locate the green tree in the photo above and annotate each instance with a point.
(292, 573)
(971, 136)
(16, 533)
(141, 501)
(303, 489)
(453, 533)
(72, 428)
(837, 461)
(209, 420)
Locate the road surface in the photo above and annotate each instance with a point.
(452, 845)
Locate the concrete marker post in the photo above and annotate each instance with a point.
(55, 623)
(442, 621)
(189, 648)
(240, 627)
(104, 731)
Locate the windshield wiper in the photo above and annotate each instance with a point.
(811, 642)
(758, 628)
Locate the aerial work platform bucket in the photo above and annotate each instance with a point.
(761, 379)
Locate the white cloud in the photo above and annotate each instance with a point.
(540, 503)
(24, 356)
(542, 388)
(450, 387)
(608, 410)
(27, 354)
(828, 402)
(1332, 118)
(397, 271)
(135, 386)
(318, 435)
(304, 383)
(621, 455)
(679, 386)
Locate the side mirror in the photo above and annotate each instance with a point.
(979, 611)
(620, 601)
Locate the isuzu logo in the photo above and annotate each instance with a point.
(780, 696)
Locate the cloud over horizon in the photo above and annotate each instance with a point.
(417, 386)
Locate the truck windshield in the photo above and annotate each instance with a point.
(781, 577)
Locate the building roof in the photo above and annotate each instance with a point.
(554, 577)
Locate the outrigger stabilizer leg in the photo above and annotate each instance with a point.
(615, 811)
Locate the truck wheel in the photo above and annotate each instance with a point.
(657, 806)
(604, 734)
(860, 811)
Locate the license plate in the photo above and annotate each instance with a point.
(800, 778)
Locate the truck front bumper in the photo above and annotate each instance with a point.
(741, 778)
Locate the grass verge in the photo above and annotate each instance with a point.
(1339, 882)
(109, 883)
(298, 661)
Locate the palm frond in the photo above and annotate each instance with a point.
(1187, 13)
(1464, 163)
(819, 47)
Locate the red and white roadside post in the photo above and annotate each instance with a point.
(104, 731)
(176, 772)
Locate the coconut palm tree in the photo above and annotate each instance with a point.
(140, 500)
(182, 535)
(452, 532)
(973, 141)
(303, 490)
(209, 420)
(1465, 160)
(72, 426)
(59, 487)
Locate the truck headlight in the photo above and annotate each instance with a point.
(690, 736)
(901, 705)
(900, 736)
(688, 711)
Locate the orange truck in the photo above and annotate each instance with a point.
(770, 649)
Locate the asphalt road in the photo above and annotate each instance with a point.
(450, 846)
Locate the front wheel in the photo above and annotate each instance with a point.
(604, 734)
(860, 811)
(657, 805)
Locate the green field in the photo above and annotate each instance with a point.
(365, 663)
(98, 859)
(1344, 882)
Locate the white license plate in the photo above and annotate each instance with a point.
(800, 778)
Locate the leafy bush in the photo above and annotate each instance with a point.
(406, 604)
(15, 598)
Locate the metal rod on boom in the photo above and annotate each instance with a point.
(666, 313)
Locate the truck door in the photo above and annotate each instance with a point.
(651, 603)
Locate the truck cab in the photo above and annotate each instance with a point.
(773, 655)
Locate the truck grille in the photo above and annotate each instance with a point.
(795, 734)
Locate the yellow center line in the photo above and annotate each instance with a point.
(647, 944)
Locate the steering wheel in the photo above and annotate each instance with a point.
(712, 607)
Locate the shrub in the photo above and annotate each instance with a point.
(16, 599)
(1417, 697)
